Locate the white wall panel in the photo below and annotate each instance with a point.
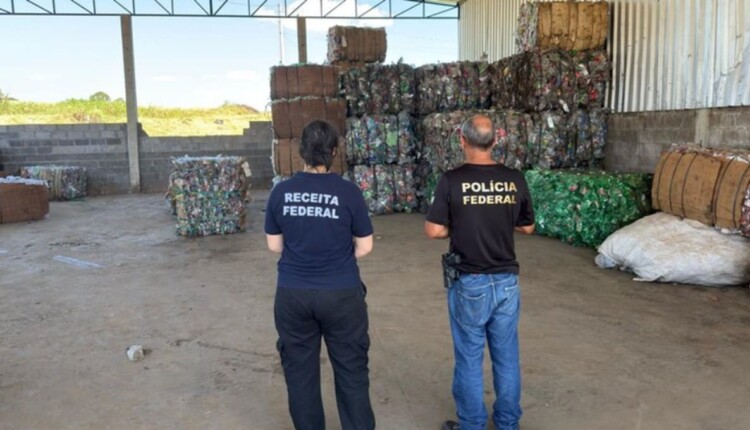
(666, 54)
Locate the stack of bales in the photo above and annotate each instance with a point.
(380, 137)
(301, 94)
(386, 105)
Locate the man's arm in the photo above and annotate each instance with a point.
(436, 231)
(525, 229)
(275, 242)
(438, 217)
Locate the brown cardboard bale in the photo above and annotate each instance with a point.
(21, 202)
(291, 116)
(287, 160)
(367, 45)
(288, 82)
(685, 185)
(732, 187)
(572, 25)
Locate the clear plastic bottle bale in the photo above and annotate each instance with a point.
(407, 87)
(581, 122)
(533, 134)
(515, 129)
(552, 147)
(209, 194)
(391, 131)
(500, 151)
(600, 69)
(598, 131)
(356, 142)
(364, 177)
(407, 141)
(405, 189)
(526, 34)
(377, 151)
(385, 190)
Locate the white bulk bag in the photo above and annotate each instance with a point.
(666, 248)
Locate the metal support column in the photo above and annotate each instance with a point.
(302, 39)
(126, 25)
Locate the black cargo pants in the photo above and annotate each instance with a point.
(302, 317)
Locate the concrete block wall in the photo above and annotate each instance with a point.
(100, 148)
(255, 144)
(635, 141)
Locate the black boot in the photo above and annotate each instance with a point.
(451, 425)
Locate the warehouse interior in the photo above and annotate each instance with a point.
(629, 119)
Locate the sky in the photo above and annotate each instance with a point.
(182, 62)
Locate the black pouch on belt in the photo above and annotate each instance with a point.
(450, 272)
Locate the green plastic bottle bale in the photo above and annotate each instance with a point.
(584, 207)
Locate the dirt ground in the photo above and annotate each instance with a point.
(599, 351)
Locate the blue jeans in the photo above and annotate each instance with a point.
(486, 307)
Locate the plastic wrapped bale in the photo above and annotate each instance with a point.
(379, 89)
(358, 44)
(380, 139)
(584, 207)
(64, 182)
(209, 194)
(452, 86)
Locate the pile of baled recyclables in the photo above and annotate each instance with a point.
(401, 122)
(25, 194)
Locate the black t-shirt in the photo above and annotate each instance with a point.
(481, 205)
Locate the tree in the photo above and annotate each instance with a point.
(4, 97)
(100, 96)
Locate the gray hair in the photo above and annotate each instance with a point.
(482, 139)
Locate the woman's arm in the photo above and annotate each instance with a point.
(362, 246)
(275, 242)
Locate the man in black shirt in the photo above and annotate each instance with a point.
(478, 206)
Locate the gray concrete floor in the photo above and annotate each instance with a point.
(599, 351)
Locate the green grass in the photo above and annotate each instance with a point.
(227, 119)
